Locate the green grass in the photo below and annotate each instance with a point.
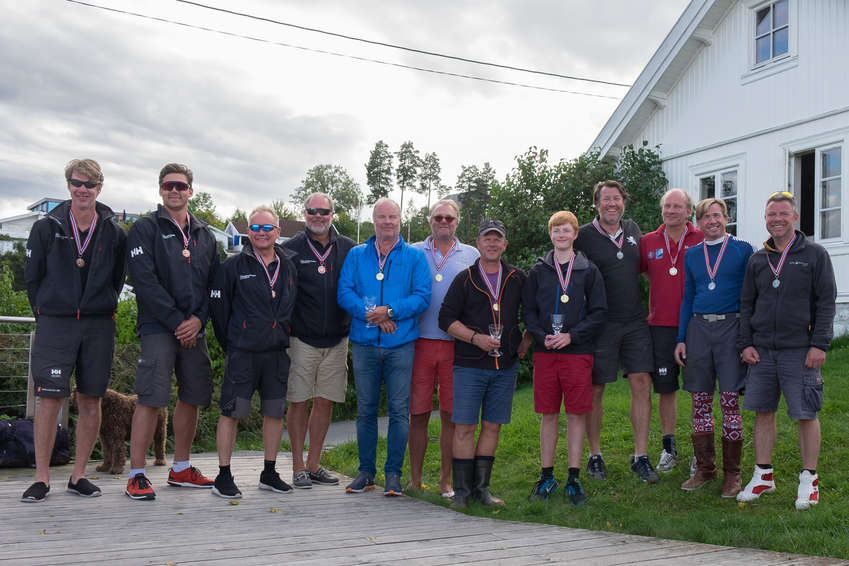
(623, 504)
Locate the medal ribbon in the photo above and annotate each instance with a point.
(680, 245)
(432, 249)
(381, 263)
(493, 292)
(81, 247)
(618, 243)
(272, 279)
(564, 281)
(712, 271)
(320, 257)
(183, 235)
(777, 270)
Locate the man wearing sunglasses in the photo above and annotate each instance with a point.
(434, 358)
(172, 257)
(251, 304)
(318, 347)
(396, 278)
(74, 273)
(787, 311)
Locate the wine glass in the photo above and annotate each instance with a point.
(495, 332)
(557, 323)
(370, 305)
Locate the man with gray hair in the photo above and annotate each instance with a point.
(662, 262)
(318, 347)
(385, 285)
(434, 359)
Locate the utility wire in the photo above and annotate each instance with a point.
(401, 47)
(336, 54)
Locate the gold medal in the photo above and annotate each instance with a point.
(322, 269)
(379, 276)
(495, 307)
(564, 298)
(673, 271)
(186, 252)
(438, 277)
(80, 262)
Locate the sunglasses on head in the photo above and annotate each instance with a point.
(78, 183)
(175, 186)
(782, 194)
(440, 218)
(320, 211)
(263, 227)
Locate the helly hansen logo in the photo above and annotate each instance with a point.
(166, 236)
(56, 371)
(303, 261)
(29, 252)
(215, 293)
(136, 251)
(246, 276)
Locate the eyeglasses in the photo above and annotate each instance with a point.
(781, 193)
(78, 183)
(440, 218)
(321, 211)
(175, 186)
(263, 227)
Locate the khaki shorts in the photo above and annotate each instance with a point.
(317, 372)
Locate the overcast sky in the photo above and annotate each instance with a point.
(250, 118)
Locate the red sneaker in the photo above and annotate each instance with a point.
(190, 477)
(139, 488)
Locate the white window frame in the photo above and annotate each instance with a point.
(716, 168)
(818, 144)
(785, 61)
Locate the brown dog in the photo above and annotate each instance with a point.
(115, 425)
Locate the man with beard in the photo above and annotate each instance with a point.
(318, 347)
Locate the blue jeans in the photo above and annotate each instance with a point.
(372, 366)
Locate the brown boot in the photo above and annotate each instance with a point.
(705, 453)
(731, 452)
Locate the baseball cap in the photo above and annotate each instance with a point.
(490, 225)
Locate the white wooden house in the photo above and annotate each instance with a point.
(746, 97)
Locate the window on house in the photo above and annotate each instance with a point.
(772, 31)
(727, 183)
(818, 186)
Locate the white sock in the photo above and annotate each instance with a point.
(136, 471)
(178, 467)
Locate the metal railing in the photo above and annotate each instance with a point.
(16, 385)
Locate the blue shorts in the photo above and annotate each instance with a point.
(483, 394)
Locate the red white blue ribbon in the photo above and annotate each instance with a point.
(493, 292)
(616, 242)
(272, 279)
(432, 249)
(82, 246)
(564, 281)
(712, 270)
(680, 245)
(320, 257)
(777, 270)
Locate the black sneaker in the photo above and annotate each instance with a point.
(574, 492)
(36, 493)
(363, 482)
(226, 487)
(595, 468)
(301, 480)
(544, 488)
(393, 485)
(321, 476)
(84, 488)
(272, 482)
(643, 468)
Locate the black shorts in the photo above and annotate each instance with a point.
(665, 374)
(246, 372)
(628, 342)
(162, 355)
(712, 356)
(65, 345)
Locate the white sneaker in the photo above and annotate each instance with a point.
(762, 482)
(809, 490)
(667, 461)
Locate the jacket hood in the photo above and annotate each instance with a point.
(62, 210)
(798, 245)
(581, 261)
(248, 250)
(195, 223)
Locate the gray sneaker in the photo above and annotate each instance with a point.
(595, 468)
(363, 482)
(322, 477)
(642, 467)
(393, 485)
(667, 461)
(301, 480)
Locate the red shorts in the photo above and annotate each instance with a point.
(433, 364)
(563, 377)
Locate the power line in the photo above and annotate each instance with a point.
(401, 47)
(337, 54)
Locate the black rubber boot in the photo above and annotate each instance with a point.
(480, 489)
(463, 471)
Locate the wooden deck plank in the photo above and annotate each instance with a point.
(318, 526)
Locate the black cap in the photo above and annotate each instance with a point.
(490, 225)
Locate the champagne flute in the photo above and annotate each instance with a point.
(495, 332)
(557, 323)
(370, 305)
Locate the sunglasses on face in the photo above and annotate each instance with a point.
(263, 227)
(78, 183)
(175, 186)
(440, 218)
(319, 211)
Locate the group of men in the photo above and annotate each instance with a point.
(436, 315)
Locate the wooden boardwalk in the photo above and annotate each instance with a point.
(318, 526)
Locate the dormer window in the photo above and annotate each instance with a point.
(772, 31)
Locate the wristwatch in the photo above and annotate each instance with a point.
(390, 313)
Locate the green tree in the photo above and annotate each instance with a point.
(474, 184)
(407, 171)
(429, 176)
(12, 302)
(333, 180)
(641, 171)
(282, 210)
(203, 207)
(379, 172)
(15, 261)
(238, 215)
